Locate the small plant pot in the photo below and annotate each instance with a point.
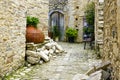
(71, 39)
(50, 34)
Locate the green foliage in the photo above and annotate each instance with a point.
(85, 30)
(88, 30)
(56, 31)
(70, 32)
(90, 13)
(32, 21)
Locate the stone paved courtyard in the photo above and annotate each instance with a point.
(64, 66)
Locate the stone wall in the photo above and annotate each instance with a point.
(99, 25)
(13, 29)
(112, 36)
(76, 15)
(12, 35)
(40, 9)
(73, 14)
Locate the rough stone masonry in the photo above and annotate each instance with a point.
(111, 47)
(73, 15)
(13, 28)
(12, 35)
(99, 25)
(39, 9)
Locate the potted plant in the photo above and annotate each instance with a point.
(33, 34)
(71, 34)
(56, 33)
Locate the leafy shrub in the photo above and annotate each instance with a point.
(70, 32)
(90, 13)
(32, 21)
(88, 30)
(56, 31)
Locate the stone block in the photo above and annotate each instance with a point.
(39, 49)
(46, 52)
(32, 53)
(99, 75)
(57, 51)
(103, 66)
(43, 56)
(54, 48)
(51, 51)
(41, 62)
(31, 46)
(33, 60)
(49, 45)
(59, 48)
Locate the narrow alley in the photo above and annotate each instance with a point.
(65, 66)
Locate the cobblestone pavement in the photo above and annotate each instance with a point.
(62, 67)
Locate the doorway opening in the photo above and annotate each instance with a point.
(56, 22)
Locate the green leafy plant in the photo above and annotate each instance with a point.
(71, 32)
(90, 13)
(88, 30)
(32, 21)
(56, 31)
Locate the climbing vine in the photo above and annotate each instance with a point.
(90, 13)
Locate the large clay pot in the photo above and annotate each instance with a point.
(34, 35)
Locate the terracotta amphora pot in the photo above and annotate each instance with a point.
(34, 35)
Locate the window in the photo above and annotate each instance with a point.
(76, 19)
(77, 7)
(76, 26)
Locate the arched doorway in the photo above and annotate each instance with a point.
(56, 19)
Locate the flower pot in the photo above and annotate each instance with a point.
(71, 39)
(34, 35)
(50, 34)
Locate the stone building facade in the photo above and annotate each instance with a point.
(73, 11)
(112, 36)
(12, 35)
(13, 15)
(76, 16)
(58, 17)
(39, 9)
(99, 25)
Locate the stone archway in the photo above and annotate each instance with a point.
(56, 18)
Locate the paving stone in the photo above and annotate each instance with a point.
(80, 77)
(62, 67)
(66, 59)
(99, 75)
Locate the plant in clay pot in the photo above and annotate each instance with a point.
(33, 34)
(71, 34)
